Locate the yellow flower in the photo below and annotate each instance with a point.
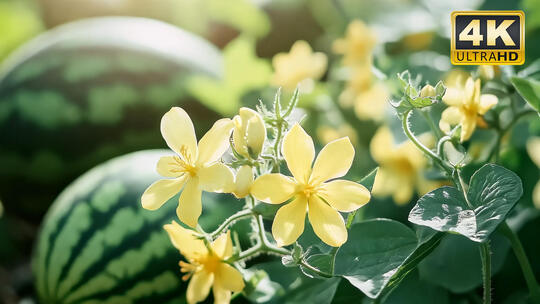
(312, 194)
(359, 82)
(400, 167)
(370, 104)
(533, 147)
(327, 134)
(357, 45)
(206, 266)
(466, 107)
(194, 168)
(244, 180)
(249, 133)
(298, 67)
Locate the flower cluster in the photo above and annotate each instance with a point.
(314, 189)
(366, 95)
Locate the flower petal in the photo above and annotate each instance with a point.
(184, 240)
(215, 142)
(221, 295)
(216, 178)
(273, 188)
(243, 181)
(327, 223)
(450, 116)
(454, 97)
(344, 196)
(487, 101)
(177, 130)
(468, 124)
(161, 191)
(334, 160)
(199, 286)
(222, 246)
(229, 278)
(289, 221)
(189, 205)
(469, 91)
(299, 151)
(167, 166)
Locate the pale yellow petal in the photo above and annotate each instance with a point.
(216, 177)
(533, 148)
(229, 278)
(404, 192)
(243, 182)
(289, 221)
(222, 246)
(381, 146)
(239, 136)
(451, 116)
(536, 196)
(255, 134)
(177, 130)
(454, 97)
(299, 151)
(199, 286)
(344, 195)
(215, 142)
(221, 295)
(167, 166)
(189, 205)
(161, 191)
(469, 92)
(334, 160)
(327, 223)
(273, 188)
(487, 101)
(468, 125)
(185, 241)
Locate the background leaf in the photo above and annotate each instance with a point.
(529, 89)
(374, 252)
(493, 192)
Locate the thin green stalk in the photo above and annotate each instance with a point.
(315, 270)
(419, 145)
(230, 220)
(528, 273)
(485, 254)
(431, 124)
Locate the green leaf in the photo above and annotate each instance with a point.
(408, 292)
(244, 72)
(368, 180)
(455, 264)
(422, 102)
(244, 15)
(374, 252)
(493, 191)
(293, 286)
(529, 89)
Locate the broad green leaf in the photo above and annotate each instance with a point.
(243, 72)
(374, 252)
(529, 89)
(368, 180)
(408, 292)
(290, 286)
(493, 191)
(455, 264)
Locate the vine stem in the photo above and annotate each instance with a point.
(528, 273)
(485, 254)
(419, 145)
(230, 220)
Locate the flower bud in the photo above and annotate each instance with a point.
(249, 133)
(428, 91)
(488, 72)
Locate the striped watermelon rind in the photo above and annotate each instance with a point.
(98, 245)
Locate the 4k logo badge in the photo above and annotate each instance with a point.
(488, 37)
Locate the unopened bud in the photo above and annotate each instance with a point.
(249, 133)
(428, 91)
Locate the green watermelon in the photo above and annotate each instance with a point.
(87, 91)
(98, 245)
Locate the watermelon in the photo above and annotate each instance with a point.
(87, 91)
(98, 245)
